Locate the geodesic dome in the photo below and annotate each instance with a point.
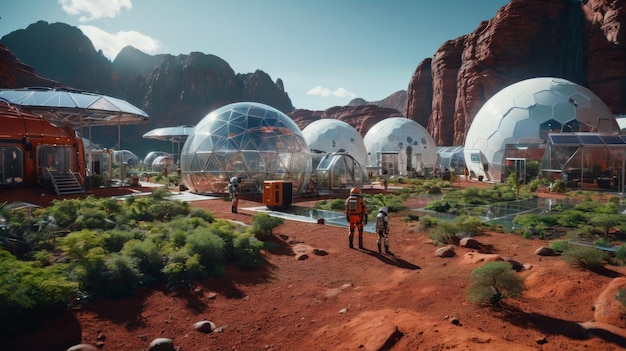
(331, 135)
(249, 140)
(398, 145)
(151, 156)
(524, 113)
(162, 162)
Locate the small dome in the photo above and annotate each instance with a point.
(249, 140)
(404, 137)
(331, 135)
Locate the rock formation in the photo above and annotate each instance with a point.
(576, 40)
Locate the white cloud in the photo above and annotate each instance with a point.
(339, 92)
(90, 10)
(111, 44)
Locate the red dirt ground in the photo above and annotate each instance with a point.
(411, 301)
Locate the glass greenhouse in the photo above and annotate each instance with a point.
(249, 140)
(400, 146)
(510, 132)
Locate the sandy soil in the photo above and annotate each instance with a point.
(349, 299)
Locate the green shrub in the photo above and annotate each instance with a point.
(26, 285)
(469, 225)
(441, 206)
(247, 251)
(620, 296)
(207, 245)
(586, 257)
(337, 204)
(182, 269)
(263, 224)
(602, 243)
(427, 222)
(444, 233)
(620, 254)
(559, 245)
(200, 213)
(148, 259)
(493, 282)
(120, 277)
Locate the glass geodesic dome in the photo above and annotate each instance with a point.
(400, 146)
(249, 140)
(329, 135)
(518, 119)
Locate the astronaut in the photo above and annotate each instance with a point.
(356, 215)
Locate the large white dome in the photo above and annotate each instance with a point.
(250, 140)
(524, 113)
(331, 135)
(404, 137)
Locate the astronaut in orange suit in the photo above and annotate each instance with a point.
(356, 215)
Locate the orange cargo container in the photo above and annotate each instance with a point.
(277, 193)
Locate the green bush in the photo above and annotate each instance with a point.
(200, 213)
(427, 222)
(621, 296)
(120, 277)
(620, 254)
(182, 269)
(26, 285)
(248, 251)
(441, 206)
(148, 259)
(469, 225)
(444, 233)
(493, 282)
(559, 245)
(586, 257)
(207, 245)
(263, 224)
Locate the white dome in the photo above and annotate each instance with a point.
(525, 112)
(403, 136)
(249, 140)
(331, 135)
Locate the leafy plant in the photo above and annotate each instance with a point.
(493, 282)
(586, 257)
(263, 224)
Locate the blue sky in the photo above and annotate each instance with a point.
(327, 52)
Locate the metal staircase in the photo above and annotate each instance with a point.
(66, 183)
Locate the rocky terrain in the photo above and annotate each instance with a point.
(314, 293)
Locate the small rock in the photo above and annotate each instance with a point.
(544, 251)
(542, 340)
(321, 221)
(320, 252)
(343, 311)
(162, 344)
(83, 347)
(302, 256)
(446, 251)
(204, 326)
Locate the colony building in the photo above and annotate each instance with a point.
(548, 126)
(338, 155)
(249, 140)
(400, 146)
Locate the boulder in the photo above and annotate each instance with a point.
(162, 344)
(446, 251)
(204, 326)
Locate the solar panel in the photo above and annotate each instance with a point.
(557, 139)
(612, 139)
(591, 139)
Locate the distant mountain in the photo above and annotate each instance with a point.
(173, 90)
(396, 101)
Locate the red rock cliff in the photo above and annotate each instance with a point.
(576, 40)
